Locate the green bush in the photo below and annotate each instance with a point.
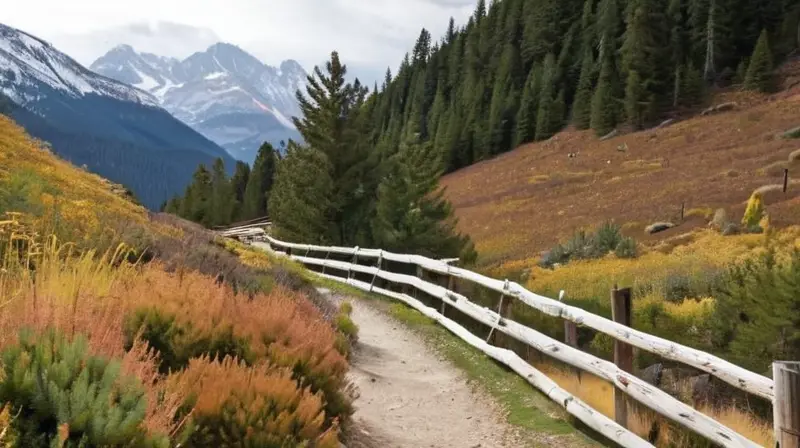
(582, 246)
(178, 342)
(55, 384)
(626, 248)
(346, 326)
(755, 320)
(346, 308)
(21, 192)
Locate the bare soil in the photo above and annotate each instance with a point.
(407, 397)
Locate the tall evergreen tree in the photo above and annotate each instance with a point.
(604, 102)
(239, 185)
(300, 202)
(334, 123)
(546, 118)
(759, 72)
(526, 117)
(582, 106)
(221, 206)
(259, 184)
(195, 204)
(412, 214)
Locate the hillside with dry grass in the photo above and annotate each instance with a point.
(523, 202)
(149, 330)
(551, 214)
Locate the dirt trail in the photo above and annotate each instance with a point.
(410, 398)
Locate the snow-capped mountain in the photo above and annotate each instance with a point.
(116, 130)
(28, 62)
(224, 92)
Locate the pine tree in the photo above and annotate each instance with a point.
(300, 200)
(759, 72)
(546, 119)
(239, 185)
(503, 109)
(195, 205)
(694, 90)
(220, 211)
(334, 122)
(582, 106)
(526, 117)
(643, 61)
(559, 110)
(411, 212)
(604, 103)
(259, 184)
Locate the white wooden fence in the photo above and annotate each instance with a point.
(637, 389)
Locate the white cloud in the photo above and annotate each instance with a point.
(369, 34)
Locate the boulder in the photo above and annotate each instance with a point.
(653, 374)
(610, 135)
(658, 227)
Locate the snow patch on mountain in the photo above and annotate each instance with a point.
(26, 61)
(215, 75)
(211, 89)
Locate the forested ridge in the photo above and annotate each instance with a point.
(518, 71)
(521, 70)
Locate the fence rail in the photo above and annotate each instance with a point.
(635, 388)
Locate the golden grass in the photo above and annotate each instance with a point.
(83, 199)
(704, 212)
(538, 179)
(774, 169)
(594, 278)
(599, 394)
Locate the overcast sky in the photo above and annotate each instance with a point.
(369, 34)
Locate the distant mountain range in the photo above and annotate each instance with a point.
(223, 93)
(117, 131)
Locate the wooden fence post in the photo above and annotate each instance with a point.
(623, 353)
(786, 406)
(571, 339)
(451, 285)
(503, 309)
(785, 179)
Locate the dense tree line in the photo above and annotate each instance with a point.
(214, 199)
(335, 188)
(521, 70)
(518, 71)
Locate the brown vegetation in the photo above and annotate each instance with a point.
(522, 202)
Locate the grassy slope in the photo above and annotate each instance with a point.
(522, 202)
(72, 203)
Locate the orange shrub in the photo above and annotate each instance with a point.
(283, 327)
(233, 403)
(97, 295)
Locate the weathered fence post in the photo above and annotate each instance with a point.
(354, 261)
(785, 179)
(503, 309)
(623, 353)
(571, 339)
(786, 406)
(450, 285)
(378, 265)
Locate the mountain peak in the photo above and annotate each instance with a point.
(123, 48)
(292, 66)
(223, 92)
(34, 62)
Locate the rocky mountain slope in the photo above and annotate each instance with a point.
(114, 129)
(224, 93)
